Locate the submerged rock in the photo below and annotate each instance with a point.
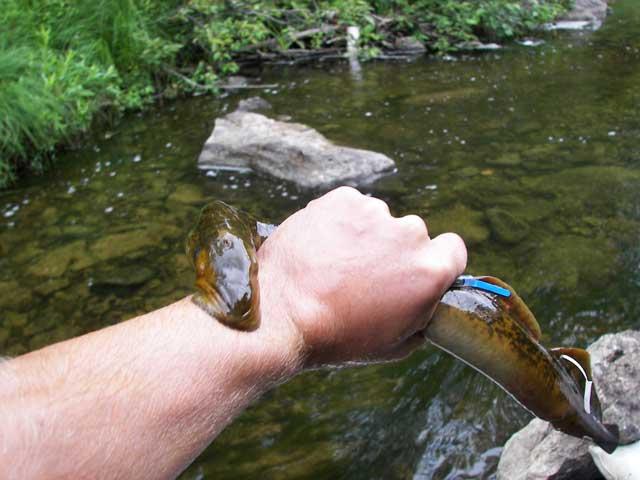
(120, 244)
(14, 295)
(476, 45)
(4, 336)
(253, 104)
(466, 222)
(290, 151)
(510, 159)
(185, 193)
(505, 226)
(57, 261)
(122, 276)
(538, 452)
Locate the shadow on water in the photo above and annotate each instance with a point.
(530, 153)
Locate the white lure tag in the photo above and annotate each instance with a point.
(587, 386)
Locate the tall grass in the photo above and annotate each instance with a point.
(61, 62)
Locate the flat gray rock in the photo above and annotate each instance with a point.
(290, 151)
(585, 14)
(538, 452)
(589, 10)
(253, 104)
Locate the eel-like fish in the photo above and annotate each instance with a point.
(222, 248)
(498, 335)
(495, 333)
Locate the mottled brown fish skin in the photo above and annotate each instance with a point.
(496, 336)
(222, 249)
(492, 342)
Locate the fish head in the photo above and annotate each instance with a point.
(222, 250)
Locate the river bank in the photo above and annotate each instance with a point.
(67, 67)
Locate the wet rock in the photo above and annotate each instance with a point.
(572, 262)
(4, 336)
(506, 160)
(290, 151)
(592, 11)
(14, 296)
(462, 220)
(27, 252)
(119, 244)
(253, 104)
(572, 188)
(185, 193)
(476, 45)
(236, 81)
(539, 452)
(124, 243)
(129, 276)
(616, 369)
(15, 350)
(506, 227)
(409, 44)
(55, 262)
(14, 320)
(468, 172)
(444, 96)
(40, 340)
(531, 42)
(49, 215)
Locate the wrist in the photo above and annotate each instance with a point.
(255, 360)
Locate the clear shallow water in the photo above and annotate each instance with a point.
(532, 154)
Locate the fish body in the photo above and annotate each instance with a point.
(222, 249)
(495, 334)
(499, 337)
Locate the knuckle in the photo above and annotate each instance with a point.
(379, 205)
(415, 224)
(346, 193)
(437, 270)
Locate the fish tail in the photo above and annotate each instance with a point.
(609, 438)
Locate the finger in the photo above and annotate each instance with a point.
(445, 259)
(447, 256)
(377, 205)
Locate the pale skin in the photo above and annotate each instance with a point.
(341, 281)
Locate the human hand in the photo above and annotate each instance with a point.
(351, 282)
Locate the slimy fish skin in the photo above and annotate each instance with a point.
(490, 328)
(499, 336)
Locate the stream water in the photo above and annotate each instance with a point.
(531, 154)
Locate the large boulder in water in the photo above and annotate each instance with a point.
(290, 151)
(539, 452)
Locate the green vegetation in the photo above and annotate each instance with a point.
(65, 64)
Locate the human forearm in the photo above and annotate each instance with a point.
(340, 281)
(137, 400)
